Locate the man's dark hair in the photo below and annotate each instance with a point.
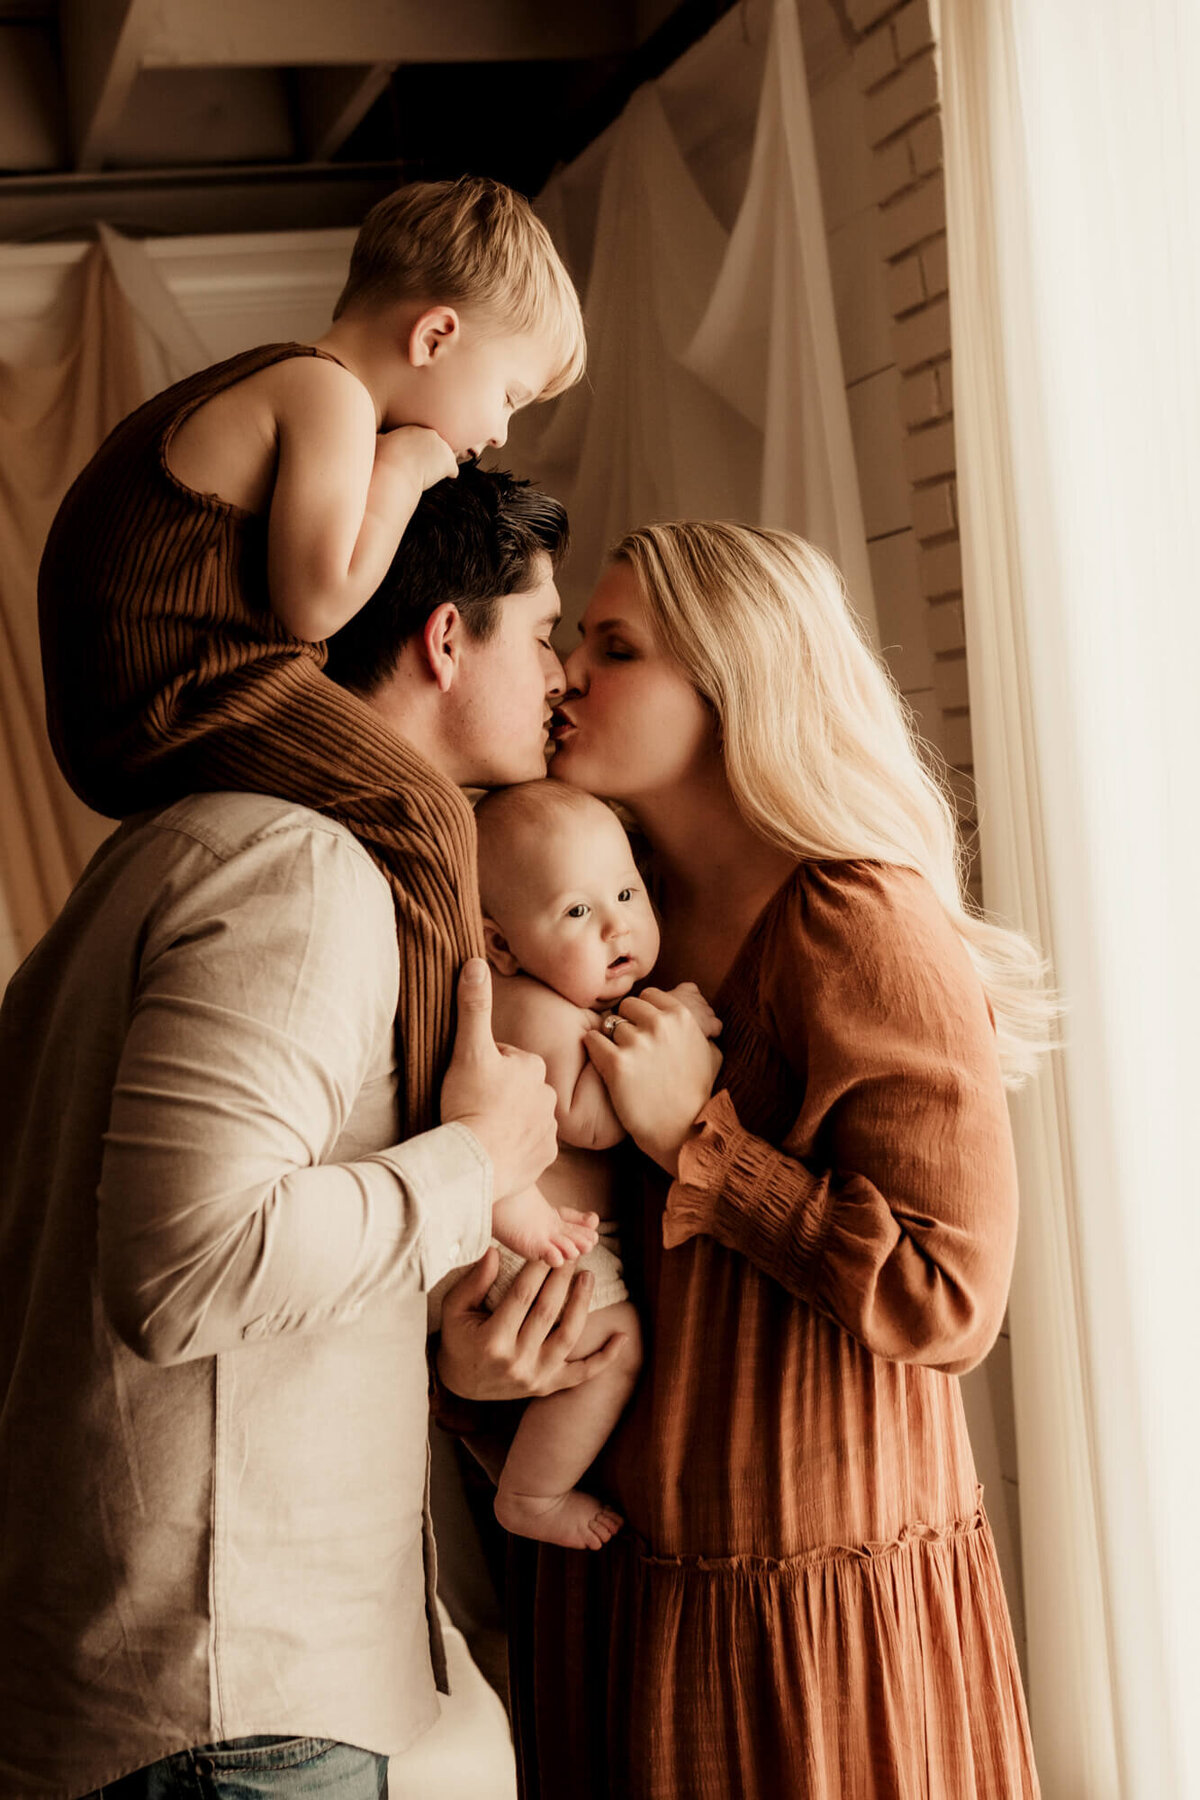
(473, 541)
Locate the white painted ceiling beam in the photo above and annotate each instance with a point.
(103, 45)
(331, 102)
(295, 33)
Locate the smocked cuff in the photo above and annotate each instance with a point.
(749, 1196)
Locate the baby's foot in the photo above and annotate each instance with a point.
(574, 1520)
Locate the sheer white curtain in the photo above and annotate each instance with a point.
(1073, 183)
(715, 374)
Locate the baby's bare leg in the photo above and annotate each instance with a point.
(559, 1438)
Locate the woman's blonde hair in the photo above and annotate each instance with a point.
(470, 242)
(819, 749)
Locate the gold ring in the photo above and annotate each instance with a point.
(609, 1023)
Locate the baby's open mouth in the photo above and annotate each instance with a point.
(620, 966)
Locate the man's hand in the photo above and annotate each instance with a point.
(523, 1349)
(417, 452)
(499, 1093)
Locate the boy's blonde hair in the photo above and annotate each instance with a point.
(470, 242)
(820, 751)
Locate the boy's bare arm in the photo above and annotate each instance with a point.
(342, 496)
(534, 1017)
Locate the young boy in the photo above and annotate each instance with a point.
(569, 930)
(235, 520)
(242, 516)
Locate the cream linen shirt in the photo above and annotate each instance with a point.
(213, 1270)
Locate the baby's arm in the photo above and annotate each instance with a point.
(342, 498)
(534, 1017)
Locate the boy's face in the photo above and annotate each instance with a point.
(576, 912)
(467, 382)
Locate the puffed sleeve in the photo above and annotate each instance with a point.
(891, 1205)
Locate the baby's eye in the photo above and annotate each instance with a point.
(625, 894)
(578, 911)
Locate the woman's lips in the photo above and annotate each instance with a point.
(561, 727)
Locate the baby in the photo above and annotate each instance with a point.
(569, 930)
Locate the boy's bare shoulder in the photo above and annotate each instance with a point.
(229, 445)
(302, 382)
(532, 1016)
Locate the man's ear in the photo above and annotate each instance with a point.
(432, 335)
(440, 640)
(498, 952)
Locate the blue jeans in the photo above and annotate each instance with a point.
(258, 1768)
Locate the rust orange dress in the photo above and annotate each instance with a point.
(805, 1601)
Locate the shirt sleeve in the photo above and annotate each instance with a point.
(264, 1001)
(891, 1204)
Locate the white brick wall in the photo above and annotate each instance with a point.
(878, 131)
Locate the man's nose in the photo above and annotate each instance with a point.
(556, 680)
(501, 437)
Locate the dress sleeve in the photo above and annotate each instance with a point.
(263, 1004)
(891, 1205)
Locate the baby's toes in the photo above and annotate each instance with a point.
(605, 1526)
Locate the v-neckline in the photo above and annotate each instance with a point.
(753, 933)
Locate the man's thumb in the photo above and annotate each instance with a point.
(474, 1007)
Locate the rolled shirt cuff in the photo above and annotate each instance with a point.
(449, 1175)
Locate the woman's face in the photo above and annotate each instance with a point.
(631, 726)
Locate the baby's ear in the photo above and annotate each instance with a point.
(498, 952)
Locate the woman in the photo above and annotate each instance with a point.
(806, 1599)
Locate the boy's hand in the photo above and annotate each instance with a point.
(528, 1224)
(499, 1093)
(417, 451)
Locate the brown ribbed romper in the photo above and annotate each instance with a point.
(167, 674)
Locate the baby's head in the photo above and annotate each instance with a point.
(562, 897)
(461, 280)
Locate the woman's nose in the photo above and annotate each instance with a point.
(574, 672)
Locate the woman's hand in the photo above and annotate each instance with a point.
(659, 1067)
(527, 1223)
(523, 1349)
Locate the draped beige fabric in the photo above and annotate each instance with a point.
(715, 374)
(52, 417)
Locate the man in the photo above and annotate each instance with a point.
(214, 1256)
